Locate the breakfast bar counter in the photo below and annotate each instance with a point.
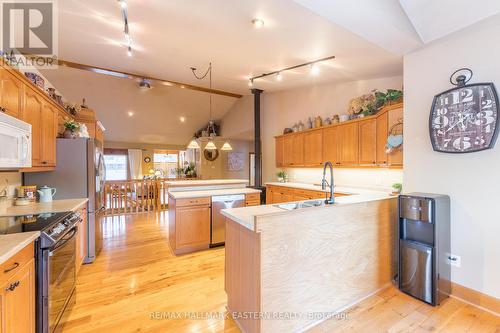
(316, 259)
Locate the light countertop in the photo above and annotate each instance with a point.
(56, 206)
(246, 216)
(13, 243)
(210, 193)
(208, 182)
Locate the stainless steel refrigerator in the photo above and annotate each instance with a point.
(80, 173)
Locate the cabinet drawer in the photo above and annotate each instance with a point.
(192, 202)
(252, 203)
(252, 197)
(14, 264)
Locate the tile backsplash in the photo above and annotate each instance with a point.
(9, 182)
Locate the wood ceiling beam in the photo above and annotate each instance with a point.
(116, 73)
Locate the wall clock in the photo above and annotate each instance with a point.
(211, 154)
(464, 119)
(147, 159)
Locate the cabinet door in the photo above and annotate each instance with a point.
(395, 158)
(18, 301)
(382, 133)
(349, 144)
(32, 114)
(368, 142)
(269, 196)
(331, 145)
(298, 150)
(288, 150)
(279, 151)
(48, 135)
(11, 94)
(313, 148)
(192, 226)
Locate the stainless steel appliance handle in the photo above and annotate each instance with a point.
(64, 240)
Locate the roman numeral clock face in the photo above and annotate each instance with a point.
(464, 119)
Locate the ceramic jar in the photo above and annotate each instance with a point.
(318, 122)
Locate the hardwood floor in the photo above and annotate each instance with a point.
(136, 279)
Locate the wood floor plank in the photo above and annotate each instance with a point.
(136, 282)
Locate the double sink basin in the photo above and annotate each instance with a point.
(302, 204)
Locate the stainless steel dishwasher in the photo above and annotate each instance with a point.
(218, 222)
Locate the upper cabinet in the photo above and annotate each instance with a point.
(368, 142)
(356, 143)
(11, 94)
(313, 148)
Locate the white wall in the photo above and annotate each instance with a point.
(471, 180)
(282, 109)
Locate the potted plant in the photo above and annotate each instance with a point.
(71, 129)
(397, 188)
(282, 176)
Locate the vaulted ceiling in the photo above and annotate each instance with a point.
(367, 37)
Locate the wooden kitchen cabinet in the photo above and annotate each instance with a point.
(394, 116)
(49, 135)
(368, 142)
(32, 114)
(189, 224)
(17, 294)
(349, 144)
(11, 94)
(282, 194)
(313, 148)
(382, 132)
(355, 143)
(280, 162)
(331, 145)
(252, 199)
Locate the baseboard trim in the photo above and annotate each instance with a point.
(473, 297)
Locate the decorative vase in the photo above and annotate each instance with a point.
(309, 123)
(327, 122)
(335, 119)
(344, 117)
(318, 122)
(295, 128)
(69, 134)
(301, 126)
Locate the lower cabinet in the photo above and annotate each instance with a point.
(17, 294)
(252, 199)
(189, 224)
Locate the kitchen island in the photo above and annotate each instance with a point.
(306, 264)
(192, 212)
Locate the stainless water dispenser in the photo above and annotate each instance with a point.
(424, 246)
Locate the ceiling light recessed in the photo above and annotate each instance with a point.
(130, 114)
(123, 3)
(258, 23)
(279, 77)
(182, 119)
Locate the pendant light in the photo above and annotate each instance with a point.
(226, 146)
(193, 144)
(210, 145)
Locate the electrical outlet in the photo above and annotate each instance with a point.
(455, 260)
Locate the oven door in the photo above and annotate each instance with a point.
(15, 136)
(62, 277)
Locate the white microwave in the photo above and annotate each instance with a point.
(15, 143)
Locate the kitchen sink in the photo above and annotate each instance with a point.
(303, 204)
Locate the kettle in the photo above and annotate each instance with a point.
(46, 193)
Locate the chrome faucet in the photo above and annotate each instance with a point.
(324, 183)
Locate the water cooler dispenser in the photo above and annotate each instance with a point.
(424, 246)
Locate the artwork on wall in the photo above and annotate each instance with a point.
(235, 161)
(464, 119)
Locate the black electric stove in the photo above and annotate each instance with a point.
(55, 255)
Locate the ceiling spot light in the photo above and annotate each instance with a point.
(226, 146)
(258, 23)
(182, 119)
(210, 145)
(123, 3)
(144, 84)
(193, 144)
(250, 83)
(279, 77)
(130, 114)
(314, 69)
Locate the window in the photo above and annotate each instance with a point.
(166, 162)
(116, 167)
